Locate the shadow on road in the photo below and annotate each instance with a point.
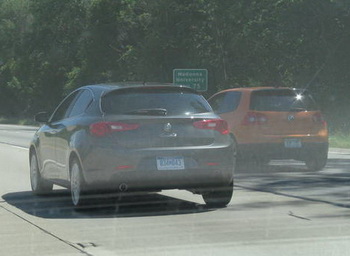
(291, 179)
(341, 165)
(330, 185)
(58, 205)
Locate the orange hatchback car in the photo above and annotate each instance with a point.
(274, 123)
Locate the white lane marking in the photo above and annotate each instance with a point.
(339, 153)
(14, 146)
(19, 147)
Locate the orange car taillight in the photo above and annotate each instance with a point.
(101, 129)
(213, 124)
(253, 118)
(318, 118)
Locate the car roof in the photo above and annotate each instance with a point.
(250, 89)
(123, 85)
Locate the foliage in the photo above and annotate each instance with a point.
(339, 140)
(49, 47)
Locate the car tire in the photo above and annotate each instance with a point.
(77, 185)
(218, 197)
(316, 162)
(39, 185)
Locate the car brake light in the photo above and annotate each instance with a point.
(213, 124)
(253, 118)
(101, 129)
(318, 118)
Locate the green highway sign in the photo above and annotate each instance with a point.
(194, 78)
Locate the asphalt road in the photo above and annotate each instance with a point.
(280, 209)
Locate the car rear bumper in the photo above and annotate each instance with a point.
(280, 151)
(137, 169)
(158, 180)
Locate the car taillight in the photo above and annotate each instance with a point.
(101, 129)
(124, 167)
(213, 124)
(253, 118)
(318, 118)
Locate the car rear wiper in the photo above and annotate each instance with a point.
(297, 109)
(148, 111)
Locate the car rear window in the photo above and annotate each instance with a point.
(175, 102)
(281, 100)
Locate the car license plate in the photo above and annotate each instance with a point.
(292, 143)
(170, 163)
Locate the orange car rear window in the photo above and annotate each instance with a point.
(282, 100)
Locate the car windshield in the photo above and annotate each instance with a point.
(281, 101)
(161, 102)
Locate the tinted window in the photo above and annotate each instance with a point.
(80, 105)
(64, 108)
(174, 102)
(281, 100)
(225, 102)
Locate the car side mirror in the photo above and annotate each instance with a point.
(42, 117)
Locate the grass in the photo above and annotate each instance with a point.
(339, 140)
(19, 121)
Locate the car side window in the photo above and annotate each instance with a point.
(216, 101)
(81, 103)
(64, 107)
(225, 102)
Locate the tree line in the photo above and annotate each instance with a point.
(50, 47)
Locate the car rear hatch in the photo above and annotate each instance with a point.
(280, 112)
(138, 118)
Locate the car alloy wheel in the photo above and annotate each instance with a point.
(39, 185)
(34, 173)
(76, 185)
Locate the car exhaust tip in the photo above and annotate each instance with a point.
(123, 187)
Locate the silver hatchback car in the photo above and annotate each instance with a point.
(133, 138)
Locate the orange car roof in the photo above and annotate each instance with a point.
(249, 89)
